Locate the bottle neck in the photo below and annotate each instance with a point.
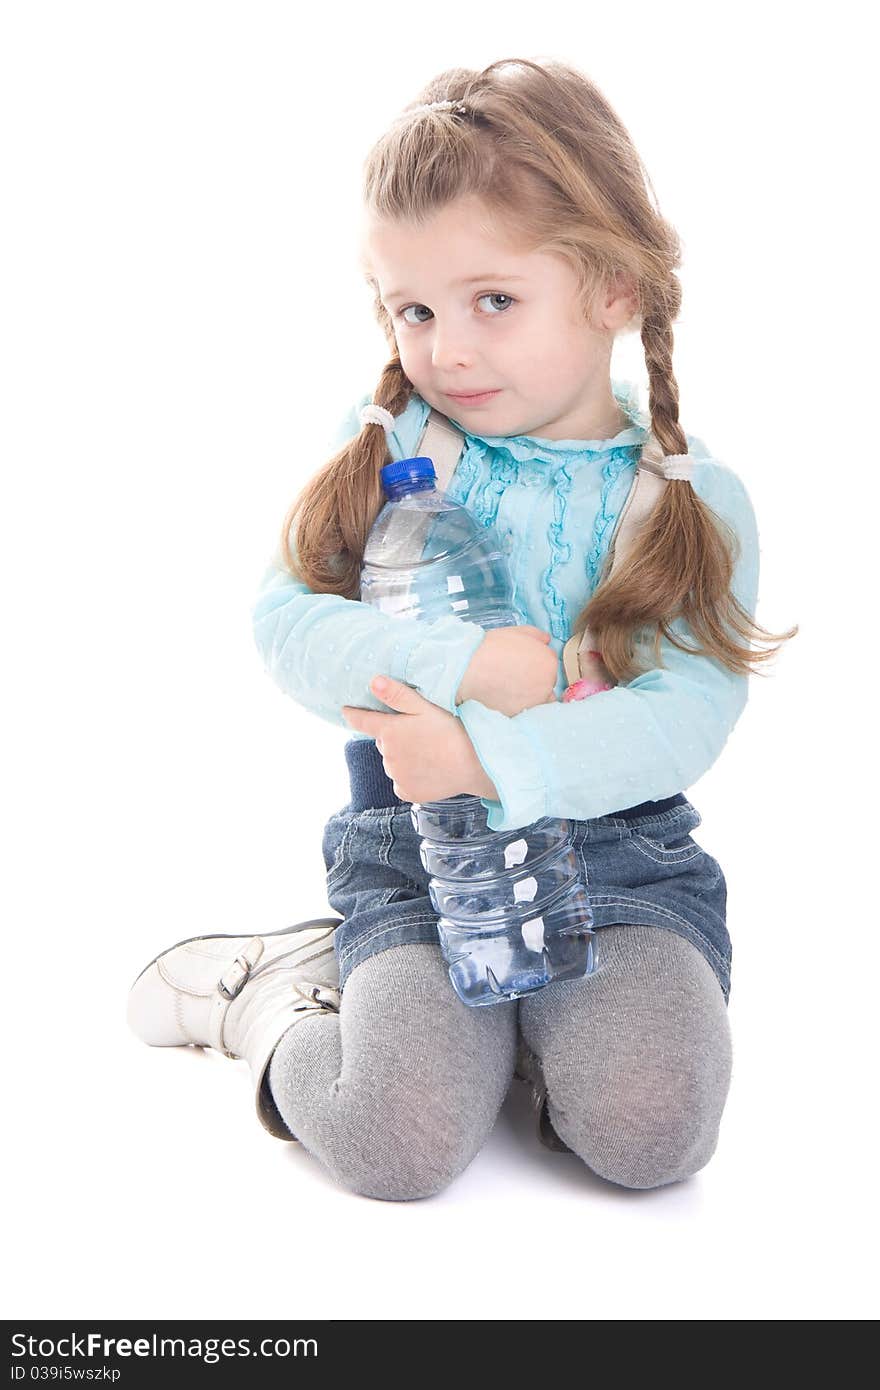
(405, 486)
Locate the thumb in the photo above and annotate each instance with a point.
(535, 632)
(397, 695)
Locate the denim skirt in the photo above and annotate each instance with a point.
(640, 866)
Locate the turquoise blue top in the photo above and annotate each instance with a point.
(556, 502)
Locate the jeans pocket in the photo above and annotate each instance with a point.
(667, 840)
(672, 849)
(335, 846)
(372, 861)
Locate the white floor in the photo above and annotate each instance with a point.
(184, 343)
(181, 345)
(169, 796)
(140, 1183)
(145, 1188)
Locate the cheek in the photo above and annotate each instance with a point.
(564, 366)
(413, 359)
(536, 347)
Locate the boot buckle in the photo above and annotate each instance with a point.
(317, 997)
(235, 979)
(239, 972)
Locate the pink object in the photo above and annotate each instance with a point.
(580, 690)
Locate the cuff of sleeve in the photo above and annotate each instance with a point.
(511, 761)
(436, 665)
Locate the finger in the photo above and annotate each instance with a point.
(366, 721)
(531, 631)
(397, 695)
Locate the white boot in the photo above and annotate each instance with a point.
(239, 994)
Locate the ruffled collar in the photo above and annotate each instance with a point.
(526, 448)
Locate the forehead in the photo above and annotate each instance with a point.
(455, 243)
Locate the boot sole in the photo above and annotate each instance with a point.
(229, 936)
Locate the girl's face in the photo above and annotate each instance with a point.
(473, 313)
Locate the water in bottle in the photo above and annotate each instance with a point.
(513, 911)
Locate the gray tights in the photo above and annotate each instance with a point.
(397, 1093)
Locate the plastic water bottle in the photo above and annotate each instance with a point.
(513, 911)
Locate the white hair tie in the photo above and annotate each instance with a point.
(458, 106)
(678, 467)
(672, 467)
(373, 414)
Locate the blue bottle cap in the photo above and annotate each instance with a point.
(420, 467)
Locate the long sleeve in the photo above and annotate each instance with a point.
(638, 742)
(323, 650)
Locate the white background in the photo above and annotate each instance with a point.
(183, 322)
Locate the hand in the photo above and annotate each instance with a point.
(513, 669)
(425, 750)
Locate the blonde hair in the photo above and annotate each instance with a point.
(543, 151)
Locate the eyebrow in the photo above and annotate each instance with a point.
(469, 280)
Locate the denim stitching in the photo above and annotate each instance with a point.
(418, 888)
(418, 920)
(606, 900)
(343, 861)
(385, 847)
(663, 855)
(390, 894)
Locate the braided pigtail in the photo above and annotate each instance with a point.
(335, 511)
(541, 150)
(683, 563)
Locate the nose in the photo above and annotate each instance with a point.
(451, 348)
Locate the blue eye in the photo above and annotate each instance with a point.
(496, 296)
(503, 309)
(404, 312)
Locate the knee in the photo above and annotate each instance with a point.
(410, 1155)
(638, 1064)
(649, 1131)
(652, 1158)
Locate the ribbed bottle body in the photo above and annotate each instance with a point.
(513, 913)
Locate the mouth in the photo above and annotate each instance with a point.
(472, 397)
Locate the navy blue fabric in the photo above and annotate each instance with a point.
(371, 785)
(640, 866)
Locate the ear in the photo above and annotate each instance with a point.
(621, 303)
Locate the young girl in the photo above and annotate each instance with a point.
(508, 238)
